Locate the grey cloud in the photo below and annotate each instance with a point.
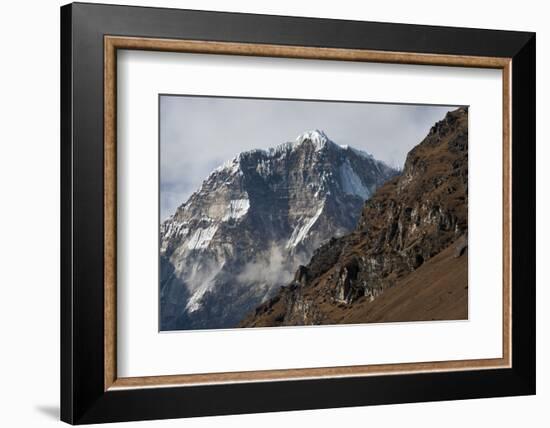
(199, 133)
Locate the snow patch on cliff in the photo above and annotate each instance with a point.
(300, 233)
(201, 238)
(237, 208)
(351, 183)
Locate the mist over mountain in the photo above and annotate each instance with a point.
(254, 220)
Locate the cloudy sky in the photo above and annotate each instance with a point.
(197, 134)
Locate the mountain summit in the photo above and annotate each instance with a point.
(253, 221)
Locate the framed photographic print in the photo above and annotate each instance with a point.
(265, 213)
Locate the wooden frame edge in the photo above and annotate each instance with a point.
(109, 198)
(301, 52)
(507, 213)
(112, 43)
(299, 374)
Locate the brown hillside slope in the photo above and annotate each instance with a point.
(437, 290)
(405, 225)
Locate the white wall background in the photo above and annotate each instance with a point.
(29, 214)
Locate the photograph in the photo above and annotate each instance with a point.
(279, 210)
(293, 212)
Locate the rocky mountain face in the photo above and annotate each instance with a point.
(254, 220)
(411, 219)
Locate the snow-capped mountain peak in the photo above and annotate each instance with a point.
(317, 137)
(252, 221)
